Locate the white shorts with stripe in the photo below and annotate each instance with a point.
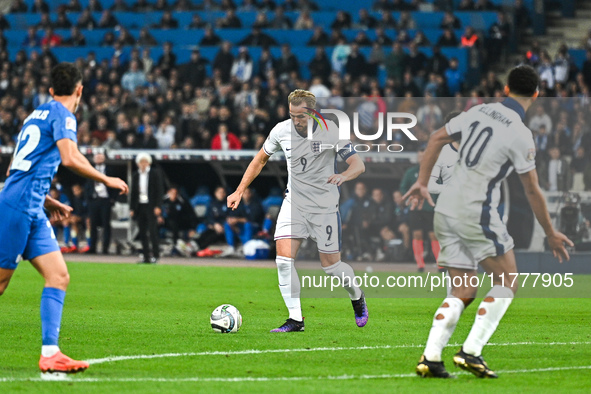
(465, 243)
(324, 229)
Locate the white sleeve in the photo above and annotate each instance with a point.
(433, 186)
(454, 126)
(272, 144)
(523, 153)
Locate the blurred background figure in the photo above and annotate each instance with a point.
(100, 200)
(147, 190)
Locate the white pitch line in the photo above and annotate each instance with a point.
(276, 379)
(317, 349)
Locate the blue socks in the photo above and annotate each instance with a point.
(52, 304)
(67, 235)
(229, 235)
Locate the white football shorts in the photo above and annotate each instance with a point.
(324, 229)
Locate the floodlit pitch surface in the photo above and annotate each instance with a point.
(146, 329)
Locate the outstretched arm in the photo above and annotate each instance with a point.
(75, 161)
(536, 199)
(254, 169)
(420, 191)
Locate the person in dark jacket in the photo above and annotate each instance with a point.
(100, 200)
(147, 190)
(179, 216)
(245, 221)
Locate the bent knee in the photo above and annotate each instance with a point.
(59, 280)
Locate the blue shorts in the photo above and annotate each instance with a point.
(23, 237)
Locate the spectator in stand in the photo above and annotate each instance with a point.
(450, 21)
(342, 21)
(165, 135)
(258, 39)
(178, 214)
(356, 65)
(45, 21)
(145, 38)
(466, 5)
(581, 171)
(167, 60)
(454, 77)
(76, 38)
(447, 39)
(470, 38)
(210, 38)
(18, 7)
(73, 6)
(229, 21)
(108, 20)
(223, 62)
(147, 190)
(86, 21)
(320, 65)
(304, 21)
(196, 21)
(362, 40)
(261, 21)
(32, 39)
(225, 140)
(94, 6)
(167, 22)
(242, 66)
(143, 6)
(287, 62)
(134, 77)
(119, 6)
(161, 5)
(244, 222)
(406, 21)
(40, 6)
(498, 38)
(546, 70)
(381, 213)
(365, 21)
(396, 62)
(125, 38)
(62, 21)
(555, 174)
(540, 118)
(280, 21)
(194, 72)
(387, 21)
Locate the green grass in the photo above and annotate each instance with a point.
(114, 310)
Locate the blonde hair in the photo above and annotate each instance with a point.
(299, 96)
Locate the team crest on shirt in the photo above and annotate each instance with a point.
(315, 146)
(531, 155)
(71, 124)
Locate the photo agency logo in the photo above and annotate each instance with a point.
(392, 126)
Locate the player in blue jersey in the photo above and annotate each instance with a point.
(48, 138)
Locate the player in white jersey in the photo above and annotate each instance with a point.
(494, 141)
(441, 176)
(311, 205)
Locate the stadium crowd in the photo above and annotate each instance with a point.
(136, 101)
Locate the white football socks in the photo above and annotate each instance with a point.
(345, 272)
(49, 350)
(289, 285)
(489, 314)
(444, 324)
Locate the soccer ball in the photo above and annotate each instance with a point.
(226, 318)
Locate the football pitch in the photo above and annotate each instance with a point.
(146, 329)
